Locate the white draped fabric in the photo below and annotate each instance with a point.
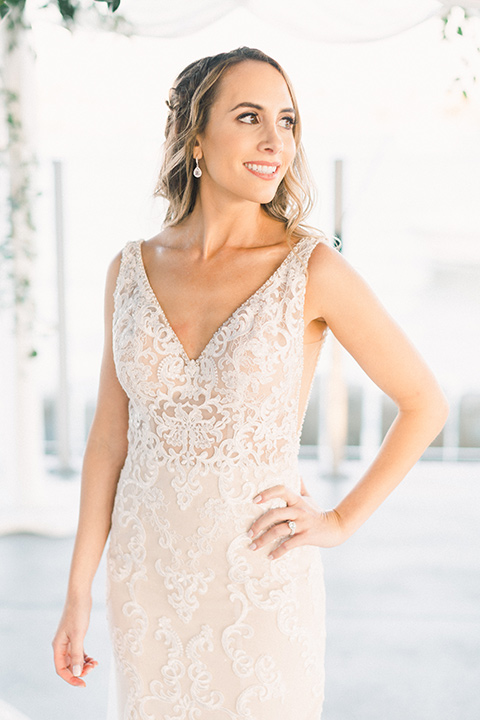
(323, 20)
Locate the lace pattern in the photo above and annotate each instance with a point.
(202, 628)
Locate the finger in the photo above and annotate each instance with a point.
(274, 533)
(277, 491)
(294, 541)
(61, 658)
(77, 657)
(87, 668)
(88, 665)
(272, 517)
(90, 661)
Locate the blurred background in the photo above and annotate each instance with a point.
(390, 100)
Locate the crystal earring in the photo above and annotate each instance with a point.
(196, 170)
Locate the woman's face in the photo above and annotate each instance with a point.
(248, 143)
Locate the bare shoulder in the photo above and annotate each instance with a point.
(328, 269)
(325, 262)
(169, 237)
(334, 284)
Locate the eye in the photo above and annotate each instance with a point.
(248, 115)
(290, 121)
(251, 118)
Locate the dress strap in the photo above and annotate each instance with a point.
(303, 250)
(127, 271)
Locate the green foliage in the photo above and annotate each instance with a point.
(6, 5)
(14, 287)
(459, 29)
(112, 4)
(67, 9)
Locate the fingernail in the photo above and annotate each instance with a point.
(253, 546)
(257, 499)
(77, 670)
(250, 533)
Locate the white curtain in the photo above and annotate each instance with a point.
(323, 20)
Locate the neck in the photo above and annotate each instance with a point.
(229, 223)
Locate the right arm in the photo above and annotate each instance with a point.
(104, 457)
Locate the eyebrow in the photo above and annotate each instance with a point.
(259, 107)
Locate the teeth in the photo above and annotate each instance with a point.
(264, 169)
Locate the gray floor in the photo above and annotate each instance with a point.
(403, 609)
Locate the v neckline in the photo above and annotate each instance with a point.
(148, 287)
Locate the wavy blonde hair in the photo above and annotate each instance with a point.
(189, 102)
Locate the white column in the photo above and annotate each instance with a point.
(337, 408)
(29, 501)
(18, 70)
(63, 416)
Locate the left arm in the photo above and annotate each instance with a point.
(357, 319)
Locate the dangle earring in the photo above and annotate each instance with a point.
(196, 170)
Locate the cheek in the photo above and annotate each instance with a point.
(224, 150)
(292, 148)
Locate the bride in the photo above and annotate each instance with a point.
(212, 333)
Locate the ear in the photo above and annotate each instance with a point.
(197, 150)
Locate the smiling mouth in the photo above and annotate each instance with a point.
(264, 171)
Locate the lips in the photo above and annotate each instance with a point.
(263, 169)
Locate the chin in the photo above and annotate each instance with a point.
(262, 197)
(265, 201)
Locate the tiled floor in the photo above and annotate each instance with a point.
(403, 609)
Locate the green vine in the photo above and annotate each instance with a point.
(112, 4)
(67, 8)
(15, 285)
(462, 27)
(18, 208)
(12, 14)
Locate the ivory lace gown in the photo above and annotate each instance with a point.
(204, 628)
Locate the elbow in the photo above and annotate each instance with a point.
(430, 407)
(446, 406)
(444, 409)
(438, 410)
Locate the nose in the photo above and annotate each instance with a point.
(272, 140)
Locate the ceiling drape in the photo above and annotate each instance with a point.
(340, 21)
